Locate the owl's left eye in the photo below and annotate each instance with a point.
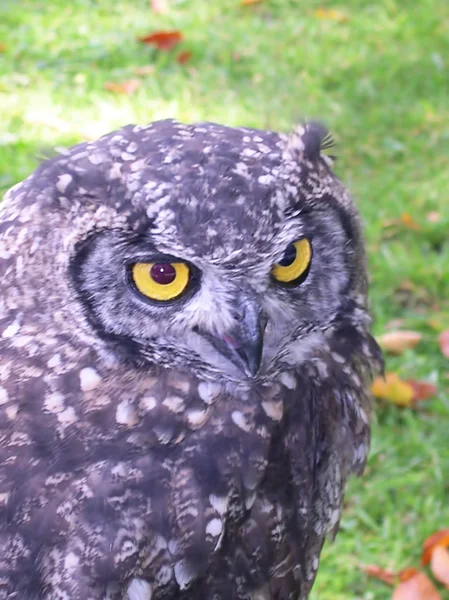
(293, 268)
(161, 281)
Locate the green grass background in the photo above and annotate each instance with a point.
(380, 80)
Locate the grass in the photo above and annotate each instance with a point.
(380, 79)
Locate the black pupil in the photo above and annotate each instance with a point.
(289, 256)
(163, 273)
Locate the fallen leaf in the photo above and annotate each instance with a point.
(396, 342)
(393, 389)
(439, 538)
(249, 2)
(409, 221)
(439, 565)
(416, 587)
(385, 575)
(124, 87)
(2, 47)
(444, 343)
(163, 40)
(330, 14)
(184, 57)
(145, 70)
(422, 390)
(159, 6)
(433, 216)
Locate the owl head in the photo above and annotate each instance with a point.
(225, 252)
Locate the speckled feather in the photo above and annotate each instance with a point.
(134, 463)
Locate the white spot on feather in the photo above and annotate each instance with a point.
(89, 379)
(240, 420)
(219, 503)
(208, 391)
(273, 409)
(288, 380)
(63, 182)
(3, 396)
(126, 414)
(139, 589)
(214, 527)
(183, 574)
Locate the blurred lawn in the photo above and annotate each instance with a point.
(378, 75)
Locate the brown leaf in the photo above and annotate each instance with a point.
(439, 538)
(3, 47)
(159, 6)
(249, 2)
(385, 575)
(163, 40)
(422, 390)
(396, 342)
(417, 587)
(444, 343)
(440, 565)
(392, 389)
(184, 57)
(330, 14)
(124, 87)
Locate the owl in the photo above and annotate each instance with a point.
(185, 366)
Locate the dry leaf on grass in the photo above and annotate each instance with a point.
(144, 70)
(163, 40)
(396, 342)
(433, 216)
(159, 6)
(401, 392)
(444, 343)
(249, 2)
(184, 57)
(330, 14)
(439, 565)
(417, 587)
(2, 47)
(439, 538)
(386, 575)
(124, 87)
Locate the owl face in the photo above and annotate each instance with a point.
(239, 259)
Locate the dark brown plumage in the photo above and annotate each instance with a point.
(195, 448)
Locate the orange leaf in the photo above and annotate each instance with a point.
(125, 87)
(422, 390)
(2, 47)
(409, 221)
(439, 538)
(440, 565)
(385, 575)
(416, 587)
(396, 342)
(163, 40)
(393, 389)
(249, 2)
(330, 15)
(444, 343)
(184, 57)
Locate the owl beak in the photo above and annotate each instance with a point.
(243, 344)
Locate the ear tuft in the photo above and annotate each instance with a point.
(314, 140)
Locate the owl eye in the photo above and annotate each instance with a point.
(160, 281)
(293, 268)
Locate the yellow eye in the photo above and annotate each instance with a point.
(294, 263)
(161, 281)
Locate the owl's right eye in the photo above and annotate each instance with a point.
(161, 281)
